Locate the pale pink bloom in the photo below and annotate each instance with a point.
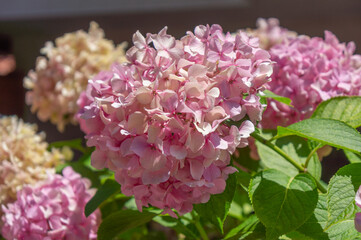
(269, 32)
(53, 209)
(309, 71)
(63, 72)
(159, 121)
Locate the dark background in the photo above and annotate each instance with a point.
(28, 34)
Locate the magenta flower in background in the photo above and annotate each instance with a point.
(358, 215)
(309, 71)
(53, 209)
(158, 121)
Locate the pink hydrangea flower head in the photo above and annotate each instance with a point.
(269, 32)
(309, 71)
(53, 209)
(158, 121)
(63, 72)
(24, 158)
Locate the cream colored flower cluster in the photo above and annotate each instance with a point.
(24, 158)
(63, 72)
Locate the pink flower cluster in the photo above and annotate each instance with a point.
(54, 209)
(358, 215)
(269, 32)
(308, 71)
(158, 122)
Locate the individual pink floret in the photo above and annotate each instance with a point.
(159, 121)
(54, 209)
(309, 71)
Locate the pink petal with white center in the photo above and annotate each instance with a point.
(139, 40)
(179, 152)
(246, 129)
(201, 31)
(264, 70)
(214, 92)
(163, 41)
(204, 128)
(218, 142)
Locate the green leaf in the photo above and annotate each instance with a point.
(352, 171)
(340, 199)
(352, 157)
(244, 159)
(122, 221)
(105, 191)
(295, 147)
(216, 209)
(243, 178)
(335, 211)
(282, 203)
(341, 207)
(74, 144)
(84, 168)
(269, 94)
(113, 204)
(346, 109)
(241, 206)
(181, 226)
(313, 228)
(251, 228)
(326, 131)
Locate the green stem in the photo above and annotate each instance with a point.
(320, 186)
(288, 158)
(311, 154)
(278, 150)
(187, 219)
(199, 227)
